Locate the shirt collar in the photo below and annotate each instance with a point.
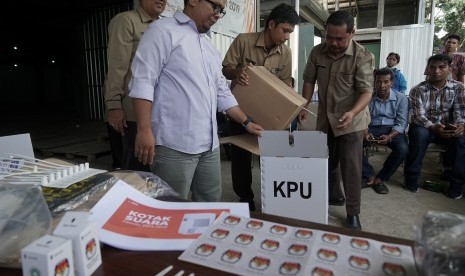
(349, 51)
(144, 16)
(449, 85)
(182, 18)
(392, 96)
(261, 43)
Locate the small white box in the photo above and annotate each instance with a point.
(83, 234)
(48, 256)
(294, 174)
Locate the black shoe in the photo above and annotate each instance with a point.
(410, 189)
(337, 201)
(251, 203)
(381, 188)
(454, 195)
(353, 222)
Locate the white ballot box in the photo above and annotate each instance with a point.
(83, 234)
(294, 174)
(48, 256)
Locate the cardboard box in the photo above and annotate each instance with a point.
(294, 174)
(83, 234)
(48, 256)
(245, 141)
(270, 102)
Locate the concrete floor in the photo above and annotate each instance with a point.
(394, 214)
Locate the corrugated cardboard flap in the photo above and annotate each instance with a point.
(269, 101)
(245, 141)
(310, 144)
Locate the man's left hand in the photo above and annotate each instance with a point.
(384, 139)
(345, 120)
(254, 129)
(459, 131)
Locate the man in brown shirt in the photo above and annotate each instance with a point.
(266, 49)
(124, 33)
(344, 72)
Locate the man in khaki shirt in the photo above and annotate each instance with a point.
(124, 33)
(344, 72)
(266, 49)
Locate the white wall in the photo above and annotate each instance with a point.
(221, 43)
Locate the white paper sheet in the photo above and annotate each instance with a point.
(130, 220)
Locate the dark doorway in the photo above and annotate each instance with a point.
(44, 71)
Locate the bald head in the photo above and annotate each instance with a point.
(205, 13)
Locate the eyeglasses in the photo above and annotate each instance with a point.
(217, 9)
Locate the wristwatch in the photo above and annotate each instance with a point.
(247, 121)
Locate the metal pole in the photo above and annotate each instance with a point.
(380, 21)
(257, 15)
(433, 11)
(295, 50)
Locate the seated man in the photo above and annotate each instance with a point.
(437, 107)
(389, 112)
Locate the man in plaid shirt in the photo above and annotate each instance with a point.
(437, 108)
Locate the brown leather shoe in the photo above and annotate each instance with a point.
(353, 222)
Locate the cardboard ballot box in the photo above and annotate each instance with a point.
(294, 174)
(268, 100)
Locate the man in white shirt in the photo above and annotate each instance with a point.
(178, 87)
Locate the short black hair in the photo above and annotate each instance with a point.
(383, 72)
(452, 36)
(341, 18)
(440, 57)
(283, 13)
(396, 55)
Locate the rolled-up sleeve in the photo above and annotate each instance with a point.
(364, 73)
(151, 55)
(310, 72)
(401, 120)
(226, 99)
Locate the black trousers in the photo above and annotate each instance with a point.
(122, 148)
(241, 167)
(116, 146)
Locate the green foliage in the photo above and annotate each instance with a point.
(450, 17)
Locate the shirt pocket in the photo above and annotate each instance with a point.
(345, 79)
(449, 97)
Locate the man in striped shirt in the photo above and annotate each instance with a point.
(437, 109)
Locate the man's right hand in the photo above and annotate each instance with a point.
(144, 148)
(368, 137)
(117, 120)
(242, 77)
(303, 115)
